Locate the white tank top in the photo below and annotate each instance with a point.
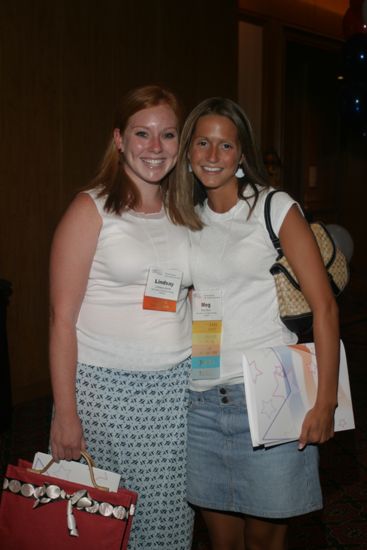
(113, 329)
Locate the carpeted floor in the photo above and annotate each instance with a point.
(343, 522)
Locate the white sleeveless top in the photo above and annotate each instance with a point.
(113, 329)
(234, 254)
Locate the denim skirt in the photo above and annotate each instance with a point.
(224, 471)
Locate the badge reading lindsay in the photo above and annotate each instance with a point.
(162, 288)
(206, 334)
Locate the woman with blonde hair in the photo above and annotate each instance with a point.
(246, 495)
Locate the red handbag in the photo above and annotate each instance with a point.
(38, 511)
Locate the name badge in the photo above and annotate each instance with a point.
(162, 289)
(206, 334)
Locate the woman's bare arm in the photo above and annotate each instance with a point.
(302, 252)
(72, 253)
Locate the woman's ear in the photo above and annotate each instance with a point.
(118, 139)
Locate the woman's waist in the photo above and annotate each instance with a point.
(221, 394)
(141, 356)
(167, 334)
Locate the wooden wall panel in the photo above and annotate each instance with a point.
(30, 157)
(63, 64)
(250, 74)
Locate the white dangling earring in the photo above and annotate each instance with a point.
(240, 173)
(189, 167)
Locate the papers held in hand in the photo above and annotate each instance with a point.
(280, 387)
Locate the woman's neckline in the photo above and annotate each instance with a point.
(223, 215)
(148, 215)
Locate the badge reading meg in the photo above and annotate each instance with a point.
(162, 289)
(206, 334)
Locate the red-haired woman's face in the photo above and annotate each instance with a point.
(149, 144)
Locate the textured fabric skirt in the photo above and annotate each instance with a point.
(226, 473)
(135, 424)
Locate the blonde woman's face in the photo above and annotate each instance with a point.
(215, 151)
(149, 144)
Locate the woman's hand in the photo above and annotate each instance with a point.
(67, 440)
(318, 426)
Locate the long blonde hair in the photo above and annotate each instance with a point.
(186, 191)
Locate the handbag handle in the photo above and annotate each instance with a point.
(90, 463)
(274, 239)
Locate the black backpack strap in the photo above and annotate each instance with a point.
(274, 239)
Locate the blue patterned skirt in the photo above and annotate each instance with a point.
(135, 424)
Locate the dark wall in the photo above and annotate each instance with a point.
(63, 64)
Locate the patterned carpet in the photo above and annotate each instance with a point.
(343, 522)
